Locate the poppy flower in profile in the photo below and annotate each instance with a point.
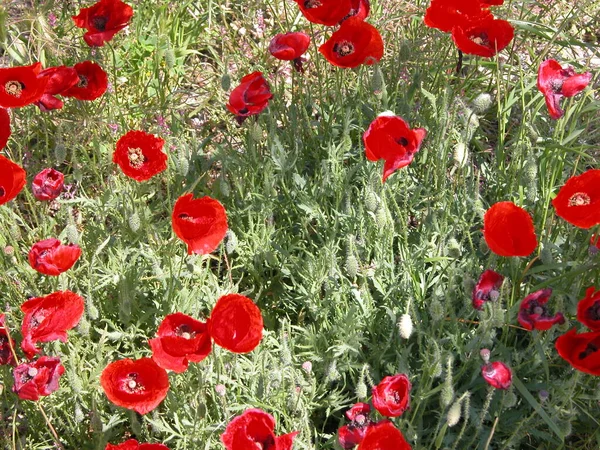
(581, 350)
(555, 83)
(59, 80)
(391, 397)
(356, 42)
(483, 38)
(140, 155)
(578, 201)
(135, 384)
(383, 436)
(588, 309)
(21, 86)
(103, 20)
(447, 14)
(508, 230)
(325, 12)
(497, 374)
(181, 339)
(51, 257)
(390, 138)
(93, 82)
(236, 323)
(132, 444)
(352, 434)
(4, 127)
(201, 223)
(250, 97)
(487, 288)
(6, 354)
(37, 378)
(48, 184)
(49, 318)
(12, 180)
(290, 47)
(534, 314)
(255, 428)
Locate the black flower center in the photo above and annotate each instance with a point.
(344, 48)
(136, 157)
(14, 88)
(402, 141)
(2, 191)
(590, 349)
(556, 84)
(243, 111)
(83, 81)
(580, 199)
(593, 313)
(100, 22)
(310, 4)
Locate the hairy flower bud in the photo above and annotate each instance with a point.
(405, 326)
(454, 413)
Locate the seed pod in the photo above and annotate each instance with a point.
(377, 82)
(351, 265)
(482, 103)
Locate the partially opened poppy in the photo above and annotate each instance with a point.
(483, 38)
(391, 397)
(4, 127)
(497, 374)
(588, 309)
(290, 47)
(356, 42)
(349, 436)
(201, 223)
(181, 339)
(135, 384)
(508, 230)
(255, 428)
(325, 12)
(447, 14)
(487, 288)
(555, 83)
(383, 436)
(12, 180)
(236, 323)
(390, 138)
(93, 82)
(6, 354)
(534, 314)
(250, 97)
(51, 257)
(21, 86)
(581, 350)
(103, 20)
(578, 201)
(48, 184)
(38, 378)
(59, 80)
(132, 444)
(140, 155)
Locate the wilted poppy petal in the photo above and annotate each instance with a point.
(38, 378)
(534, 314)
(48, 184)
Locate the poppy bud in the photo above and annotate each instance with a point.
(510, 399)
(377, 82)
(351, 265)
(134, 222)
(231, 242)
(454, 413)
(307, 366)
(78, 414)
(436, 310)
(460, 155)
(453, 248)
(183, 164)
(60, 151)
(370, 198)
(381, 217)
(405, 326)
(224, 186)
(169, 56)
(332, 374)
(361, 389)
(226, 82)
(346, 143)
(482, 103)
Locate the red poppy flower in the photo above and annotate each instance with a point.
(497, 374)
(38, 378)
(488, 3)
(140, 155)
(236, 323)
(390, 138)
(356, 42)
(180, 339)
(447, 14)
(391, 397)
(6, 354)
(508, 230)
(51, 257)
(582, 350)
(384, 436)
(254, 428)
(103, 20)
(250, 97)
(4, 127)
(533, 313)
(290, 47)
(578, 201)
(352, 434)
(48, 184)
(12, 180)
(483, 38)
(135, 384)
(201, 223)
(93, 82)
(132, 444)
(59, 80)
(588, 309)
(487, 288)
(325, 12)
(555, 83)
(21, 86)
(360, 9)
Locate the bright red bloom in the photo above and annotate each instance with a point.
(384, 436)
(447, 14)
(352, 434)
(582, 350)
(49, 318)
(93, 82)
(236, 323)
(578, 201)
(483, 38)
(555, 83)
(391, 397)
(290, 47)
(325, 12)
(588, 309)
(254, 429)
(135, 384)
(51, 257)
(4, 127)
(533, 313)
(497, 374)
(201, 223)
(12, 180)
(390, 138)
(360, 9)
(48, 184)
(38, 378)
(132, 444)
(180, 339)
(250, 97)
(487, 288)
(21, 86)
(140, 155)
(59, 80)
(508, 230)
(103, 20)
(356, 42)
(6, 354)
(488, 3)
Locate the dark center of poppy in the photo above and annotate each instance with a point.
(83, 81)
(580, 199)
(402, 141)
(185, 331)
(14, 88)
(310, 4)
(132, 385)
(2, 191)
(243, 111)
(556, 84)
(136, 157)
(593, 313)
(392, 397)
(267, 444)
(100, 22)
(591, 348)
(344, 48)
(481, 39)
